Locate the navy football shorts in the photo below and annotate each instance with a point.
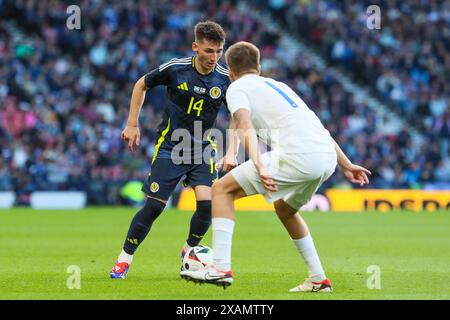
(165, 176)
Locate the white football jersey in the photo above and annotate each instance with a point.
(279, 115)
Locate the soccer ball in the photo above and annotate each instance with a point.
(197, 258)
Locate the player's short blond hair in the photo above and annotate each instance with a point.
(243, 57)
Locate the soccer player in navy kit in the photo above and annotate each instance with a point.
(196, 88)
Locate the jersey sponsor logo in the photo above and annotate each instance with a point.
(199, 90)
(183, 86)
(154, 187)
(215, 92)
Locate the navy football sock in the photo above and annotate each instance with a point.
(200, 222)
(141, 224)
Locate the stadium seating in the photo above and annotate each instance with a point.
(64, 94)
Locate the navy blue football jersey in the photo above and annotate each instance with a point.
(191, 97)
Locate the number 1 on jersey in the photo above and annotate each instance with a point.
(283, 94)
(198, 106)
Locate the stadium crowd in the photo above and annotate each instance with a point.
(406, 62)
(64, 94)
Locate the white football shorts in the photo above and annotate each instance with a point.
(298, 175)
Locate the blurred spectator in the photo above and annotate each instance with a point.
(64, 95)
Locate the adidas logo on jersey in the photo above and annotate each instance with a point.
(183, 86)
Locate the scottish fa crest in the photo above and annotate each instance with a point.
(215, 92)
(154, 187)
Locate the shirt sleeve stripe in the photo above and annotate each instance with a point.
(221, 68)
(223, 73)
(175, 60)
(173, 63)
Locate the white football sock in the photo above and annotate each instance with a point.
(307, 250)
(125, 257)
(222, 235)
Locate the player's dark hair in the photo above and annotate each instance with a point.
(210, 31)
(242, 57)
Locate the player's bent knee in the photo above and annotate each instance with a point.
(160, 200)
(226, 185)
(218, 187)
(283, 210)
(153, 208)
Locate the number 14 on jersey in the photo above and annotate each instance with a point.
(197, 106)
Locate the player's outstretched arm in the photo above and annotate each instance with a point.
(353, 172)
(131, 133)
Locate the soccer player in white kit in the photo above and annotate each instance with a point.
(303, 155)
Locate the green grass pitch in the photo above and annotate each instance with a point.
(412, 251)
